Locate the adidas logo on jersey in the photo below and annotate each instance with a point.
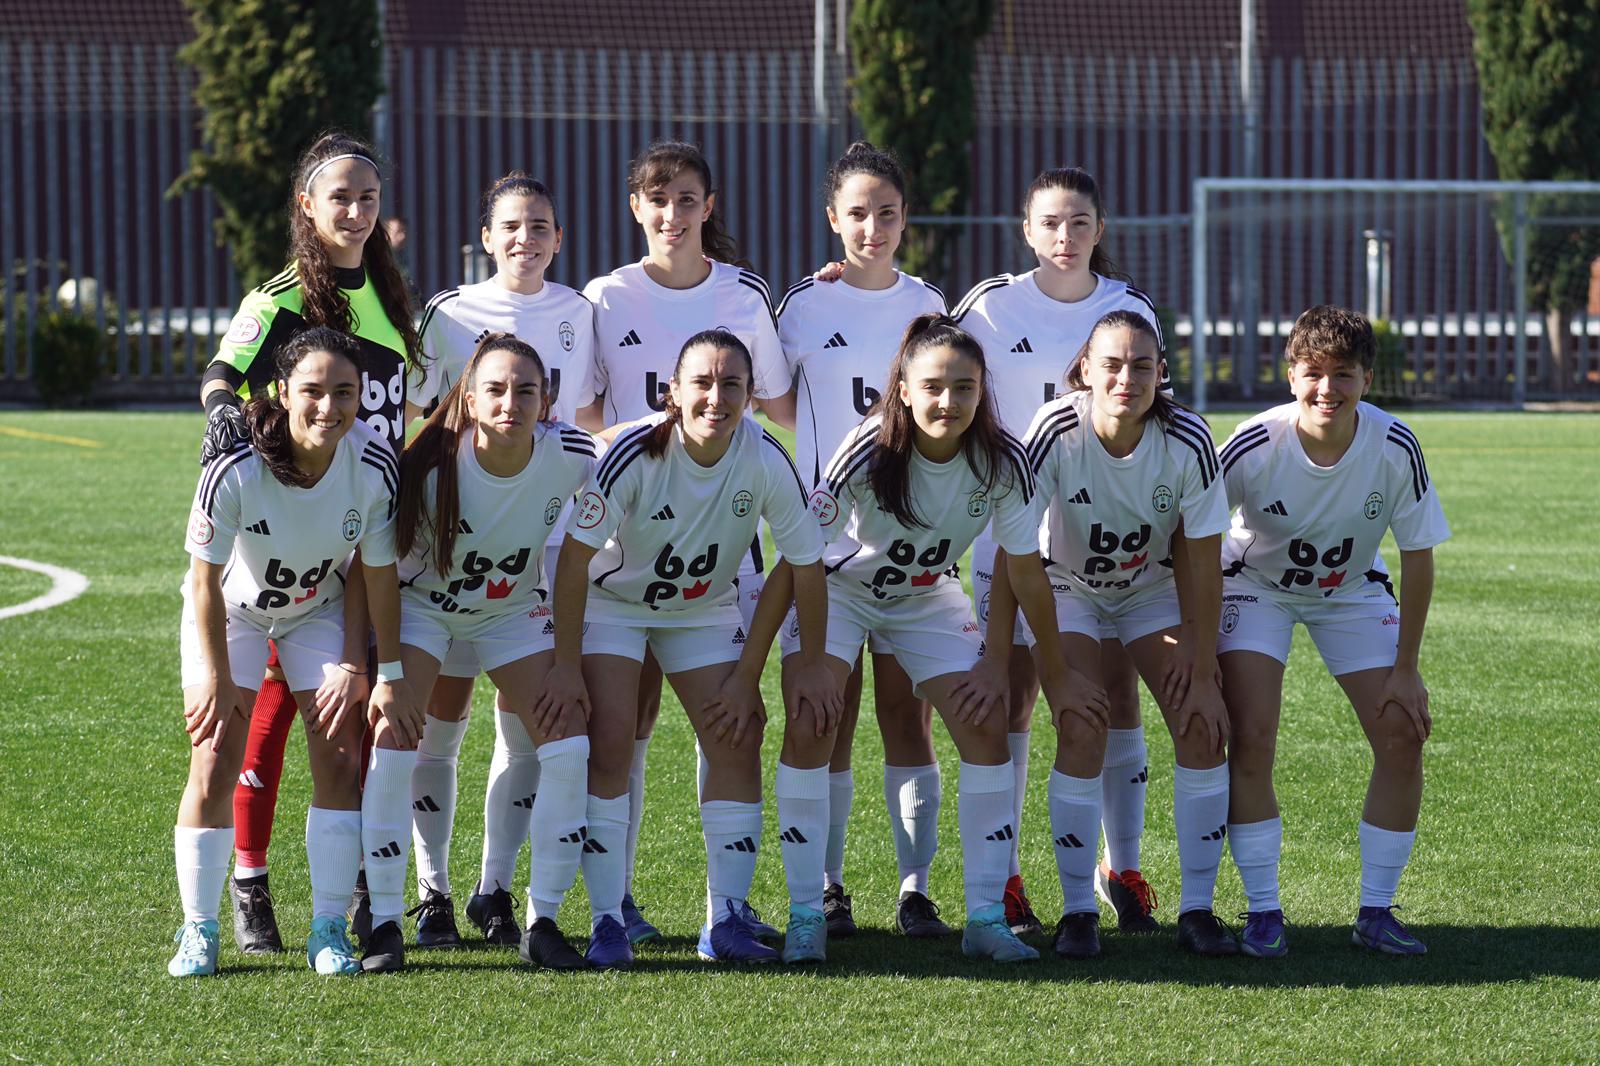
(1005, 832)
(1022, 346)
(259, 527)
(738, 635)
(1069, 841)
(746, 845)
(836, 341)
(390, 850)
(792, 835)
(462, 527)
(1277, 508)
(426, 805)
(663, 515)
(1081, 497)
(630, 340)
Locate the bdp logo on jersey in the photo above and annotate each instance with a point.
(742, 501)
(1230, 618)
(352, 524)
(200, 529)
(824, 507)
(863, 396)
(591, 509)
(1161, 500)
(567, 335)
(551, 510)
(978, 504)
(1374, 506)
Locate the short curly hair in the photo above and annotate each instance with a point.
(1328, 332)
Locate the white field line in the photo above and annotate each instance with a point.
(65, 585)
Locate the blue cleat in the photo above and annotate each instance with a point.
(608, 946)
(1378, 929)
(197, 950)
(329, 951)
(639, 930)
(761, 929)
(1263, 935)
(732, 940)
(807, 938)
(988, 936)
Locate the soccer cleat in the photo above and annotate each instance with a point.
(761, 929)
(255, 926)
(1078, 935)
(918, 916)
(328, 950)
(1131, 896)
(1378, 929)
(197, 950)
(1263, 935)
(608, 946)
(436, 920)
(639, 930)
(807, 938)
(1019, 909)
(492, 913)
(1201, 932)
(360, 915)
(544, 945)
(987, 936)
(386, 950)
(732, 940)
(836, 911)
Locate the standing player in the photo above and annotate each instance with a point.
(644, 312)
(904, 496)
(481, 487)
(274, 520)
(839, 339)
(660, 531)
(1317, 482)
(1032, 325)
(343, 275)
(1125, 470)
(521, 230)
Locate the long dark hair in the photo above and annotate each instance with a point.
(718, 338)
(268, 417)
(434, 449)
(515, 183)
(325, 304)
(1164, 408)
(864, 157)
(663, 161)
(1076, 179)
(983, 443)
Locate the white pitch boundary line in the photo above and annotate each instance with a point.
(65, 585)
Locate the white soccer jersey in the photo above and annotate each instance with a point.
(1029, 339)
(498, 561)
(1110, 521)
(839, 341)
(671, 533)
(284, 545)
(556, 320)
(1301, 527)
(868, 548)
(640, 327)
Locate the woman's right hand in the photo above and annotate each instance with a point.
(1074, 693)
(830, 271)
(564, 698)
(395, 702)
(209, 707)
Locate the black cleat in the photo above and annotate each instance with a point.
(544, 945)
(436, 920)
(918, 916)
(386, 950)
(836, 912)
(1131, 896)
(1019, 909)
(360, 910)
(1201, 932)
(255, 927)
(1078, 935)
(492, 913)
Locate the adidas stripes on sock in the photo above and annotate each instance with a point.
(636, 805)
(984, 805)
(803, 814)
(433, 801)
(1074, 821)
(386, 831)
(508, 802)
(604, 858)
(1257, 848)
(255, 797)
(841, 798)
(559, 830)
(1018, 743)
(1200, 816)
(1123, 781)
(732, 832)
(333, 854)
(201, 856)
(1384, 854)
(913, 795)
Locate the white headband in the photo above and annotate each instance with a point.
(326, 163)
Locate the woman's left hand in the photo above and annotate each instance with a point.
(340, 698)
(985, 687)
(736, 705)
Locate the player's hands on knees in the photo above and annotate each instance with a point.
(1203, 710)
(1178, 672)
(736, 705)
(565, 699)
(340, 698)
(208, 709)
(1404, 693)
(986, 686)
(396, 704)
(813, 687)
(555, 720)
(226, 428)
(1074, 692)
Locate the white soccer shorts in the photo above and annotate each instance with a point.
(1355, 632)
(491, 640)
(931, 633)
(305, 645)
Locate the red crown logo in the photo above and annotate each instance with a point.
(499, 590)
(927, 577)
(1137, 561)
(1332, 581)
(696, 590)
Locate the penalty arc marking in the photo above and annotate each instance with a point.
(65, 585)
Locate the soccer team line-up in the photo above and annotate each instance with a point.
(579, 513)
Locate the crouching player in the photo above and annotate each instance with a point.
(1317, 482)
(273, 521)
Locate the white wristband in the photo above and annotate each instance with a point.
(389, 673)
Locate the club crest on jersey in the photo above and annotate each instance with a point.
(551, 510)
(824, 507)
(742, 501)
(1374, 506)
(200, 529)
(978, 504)
(591, 509)
(1230, 618)
(983, 608)
(567, 334)
(244, 330)
(352, 525)
(1161, 499)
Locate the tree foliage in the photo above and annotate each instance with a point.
(912, 89)
(273, 74)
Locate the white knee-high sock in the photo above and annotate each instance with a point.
(803, 815)
(1200, 816)
(1018, 743)
(1257, 848)
(202, 856)
(1384, 854)
(841, 799)
(333, 854)
(636, 803)
(914, 795)
(386, 830)
(433, 801)
(1074, 820)
(732, 832)
(1123, 782)
(985, 807)
(559, 827)
(508, 801)
(604, 859)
